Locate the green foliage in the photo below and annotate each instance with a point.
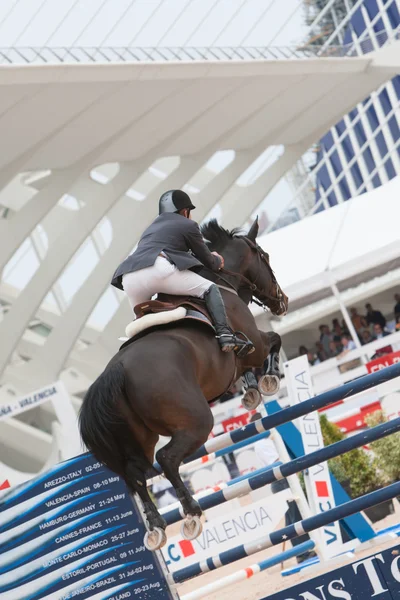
(354, 467)
(386, 450)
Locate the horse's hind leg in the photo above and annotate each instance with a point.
(196, 427)
(155, 538)
(270, 382)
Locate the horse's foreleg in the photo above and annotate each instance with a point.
(269, 383)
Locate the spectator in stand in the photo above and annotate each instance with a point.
(347, 344)
(379, 334)
(375, 317)
(366, 337)
(336, 331)
(334, 348)
(321, 354)
(397, 307)
(312, 358)
(398, 323)
(358, 321)
(325, 338)
(345, 329)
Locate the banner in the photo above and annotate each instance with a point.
(75, 533)
(376, 576)
(317, 478)
(15, 407)
(237, 527)
(383, 361)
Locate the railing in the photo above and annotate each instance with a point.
(85, 55)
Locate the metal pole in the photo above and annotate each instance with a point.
(287, 533)
(245, 484)
(298, 410)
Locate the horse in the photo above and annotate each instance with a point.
(161, 384)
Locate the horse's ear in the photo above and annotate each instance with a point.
(253, 231)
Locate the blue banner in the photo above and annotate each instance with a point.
(75, 533)
(376, 576)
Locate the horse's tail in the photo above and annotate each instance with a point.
(103, 429)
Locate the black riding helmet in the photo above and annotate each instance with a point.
(173, 201)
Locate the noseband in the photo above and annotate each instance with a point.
(252, 285)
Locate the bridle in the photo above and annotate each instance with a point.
(252, 285)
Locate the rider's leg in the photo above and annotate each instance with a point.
(192, 284)
(141, 285)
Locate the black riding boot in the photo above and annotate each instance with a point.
(227, 339)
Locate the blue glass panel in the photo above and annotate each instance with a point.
(353, 114)
(396, 85)
(381, 143)
(376, 181)
(372, 117)
(358, 22)
(385, 101)
(344, 188)
(393, 14)
(390, 168)
(369, 160)
(373, 10)
(360, 133)
(394, 128)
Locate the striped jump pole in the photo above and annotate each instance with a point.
(298, 410)
(248, 572)
(287, 533)
(247, 483)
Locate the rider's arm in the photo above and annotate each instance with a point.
(197, 245)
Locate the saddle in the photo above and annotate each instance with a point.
(168, 302)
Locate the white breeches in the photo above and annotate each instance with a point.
(163, 278)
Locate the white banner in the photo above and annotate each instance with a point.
(317, 478)
(15, 407)
(241, 526)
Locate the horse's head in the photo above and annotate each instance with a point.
(247, 265)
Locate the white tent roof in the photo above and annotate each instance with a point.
(349, 244)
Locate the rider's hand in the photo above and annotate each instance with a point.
(221, 259)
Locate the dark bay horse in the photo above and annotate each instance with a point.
(162, 383)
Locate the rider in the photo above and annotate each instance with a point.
(167, 258)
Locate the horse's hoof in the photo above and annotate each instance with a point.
(269, 385)
(155, 539)
(191, 527)
(251, 399)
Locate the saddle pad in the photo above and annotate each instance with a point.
(155, 320)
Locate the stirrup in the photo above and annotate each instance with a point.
(243, 346)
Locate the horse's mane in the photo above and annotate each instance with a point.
(216, 236)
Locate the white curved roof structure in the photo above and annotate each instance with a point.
(90, 147)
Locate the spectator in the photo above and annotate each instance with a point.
(325, 338)
(379, 334)
(379, 331)
(321, 354)
(366, 337)
(345, 329)
(397, 307)
(333, 346)
(312, 358)
(336, 330)
(375, 317)
(347, 344)
(358, 321)
(398, 323)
